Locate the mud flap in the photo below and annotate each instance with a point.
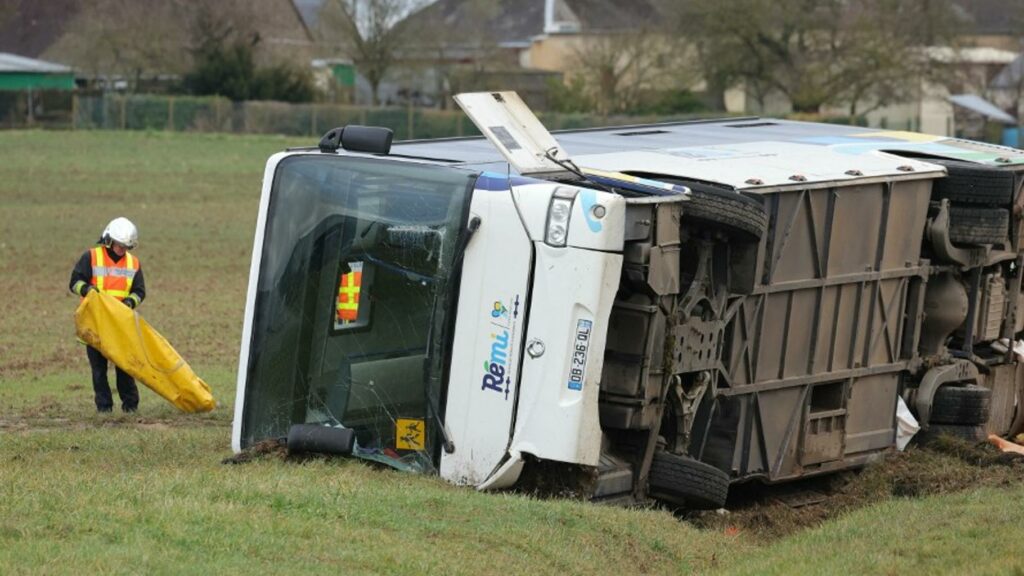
(719, 443)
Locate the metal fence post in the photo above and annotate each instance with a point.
(408, 130)
(312, 121)
(170, 113)
(74, 111)
(124, 103)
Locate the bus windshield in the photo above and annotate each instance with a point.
(352, 303)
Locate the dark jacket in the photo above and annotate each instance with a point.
(83, 273)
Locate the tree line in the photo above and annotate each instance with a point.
(857, 54)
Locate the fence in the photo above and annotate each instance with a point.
(45, 108)
(91, 111)
(216, 114)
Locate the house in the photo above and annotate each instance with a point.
(453, 46)
(991, 23)
(934, 110)
(143, 44)
(28, 87)
(527, 44)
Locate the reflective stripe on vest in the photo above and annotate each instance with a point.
(113, 278)
(348, 293)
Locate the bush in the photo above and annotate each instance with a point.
(669, 102)
(283, 83)
(229, 70)
(569, 98)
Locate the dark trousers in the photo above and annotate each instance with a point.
(126, 387)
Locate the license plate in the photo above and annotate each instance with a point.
(580, 347)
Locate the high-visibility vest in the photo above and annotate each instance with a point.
(113, 278)
(348, 293)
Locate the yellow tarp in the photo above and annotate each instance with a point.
(128, 341)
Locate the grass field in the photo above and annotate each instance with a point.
(147, 493)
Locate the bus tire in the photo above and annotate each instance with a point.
(726, 210)
(970, 183)
(961, 405)
(684, 481)
(969, 225)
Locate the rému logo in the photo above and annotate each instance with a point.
(496, 369)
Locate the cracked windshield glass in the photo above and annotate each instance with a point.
(352, 304)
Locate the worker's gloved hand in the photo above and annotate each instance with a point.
(85, 291)
(129, 303)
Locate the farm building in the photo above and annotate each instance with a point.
(28, 87)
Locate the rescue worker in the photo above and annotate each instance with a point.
(110, 268)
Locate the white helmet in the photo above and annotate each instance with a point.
(122, 231)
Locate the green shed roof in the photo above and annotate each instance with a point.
(20, 73)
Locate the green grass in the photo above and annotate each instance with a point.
(158, 501)
(975, 532)
(194, 199)
(147, 493)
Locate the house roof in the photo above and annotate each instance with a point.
(1010, 77)
(513, 21)
(309, 11)
(977, 104)
(14, 63)
(970, 55)
(506, 21)
(992, 17)
(35, 26)
(516, 22)
(609, 15)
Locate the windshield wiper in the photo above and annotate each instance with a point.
(460, 249)
(446, 436)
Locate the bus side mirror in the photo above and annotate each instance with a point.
(315, 438)
(370, 139)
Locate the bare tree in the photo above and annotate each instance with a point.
(372, 34)
(619, 68)
(455, 61)
(816, 52)
(893, 42)
(132, 39)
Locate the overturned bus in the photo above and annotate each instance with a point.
(669, 308)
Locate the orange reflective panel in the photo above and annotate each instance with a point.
(348, 294)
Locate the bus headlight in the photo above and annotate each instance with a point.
(559, 213)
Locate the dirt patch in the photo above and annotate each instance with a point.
(549, 479)
(264, 449)
(153, 426)
(948, 465)
(46, 407)
(62, 359)
(183, 421)
(49, 415)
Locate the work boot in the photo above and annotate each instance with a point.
(104, 409)
(129, 409)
